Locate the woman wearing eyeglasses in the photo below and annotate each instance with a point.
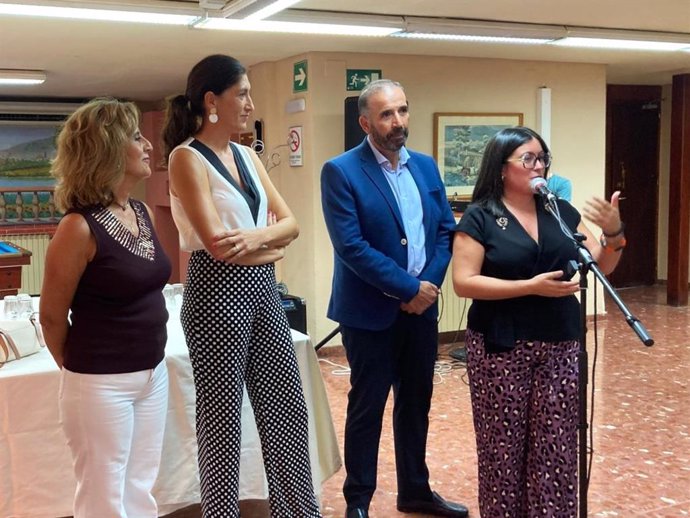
(523, 329)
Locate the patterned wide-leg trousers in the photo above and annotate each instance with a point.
(237, 333)
(525, 409)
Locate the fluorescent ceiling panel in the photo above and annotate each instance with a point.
(622, 44)
(47, 11)
(294, 27)
(22, 77)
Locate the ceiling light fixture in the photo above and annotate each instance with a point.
(274, 7)
(590, 37)
(606, 43)
(294, 27)
(465, 37)
(528, 33)
(249, 9)
(345, 24)
(22, 77)
(479, 31)
(96, 13)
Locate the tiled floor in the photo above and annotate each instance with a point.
(641, 464)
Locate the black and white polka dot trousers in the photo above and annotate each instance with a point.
(237, 333)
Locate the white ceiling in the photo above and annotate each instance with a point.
(148, 62)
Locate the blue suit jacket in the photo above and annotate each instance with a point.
(370, 277)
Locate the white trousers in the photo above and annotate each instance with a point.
(114, 424)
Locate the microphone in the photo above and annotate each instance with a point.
(538, 186)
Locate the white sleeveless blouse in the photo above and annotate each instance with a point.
(231, 206)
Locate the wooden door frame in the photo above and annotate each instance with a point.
(679, 197)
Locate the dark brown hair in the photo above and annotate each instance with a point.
(215, 73)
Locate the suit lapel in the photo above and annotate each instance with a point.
(373, 170)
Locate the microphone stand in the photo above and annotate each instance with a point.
(586, 263)
(328, 337)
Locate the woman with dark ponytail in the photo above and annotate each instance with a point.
(236, 225)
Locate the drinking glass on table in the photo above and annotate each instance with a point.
(25, 305)
(169, 295)
(11, 307)
(178, 290)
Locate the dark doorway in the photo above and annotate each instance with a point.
(632, 167)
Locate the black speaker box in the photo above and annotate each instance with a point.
(296, 311)
(354, 134)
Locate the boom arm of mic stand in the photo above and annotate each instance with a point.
(631, 319)
(590, 264)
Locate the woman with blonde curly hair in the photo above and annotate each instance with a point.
(106, 265)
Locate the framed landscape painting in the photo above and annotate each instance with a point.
(26, 152)
(459, 142)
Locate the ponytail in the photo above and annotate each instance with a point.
(184, 115)
(180, 123)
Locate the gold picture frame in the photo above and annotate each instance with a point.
(459, 142)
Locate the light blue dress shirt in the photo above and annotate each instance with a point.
(410, 205)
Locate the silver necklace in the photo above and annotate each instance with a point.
(131, 226)
(123, 206)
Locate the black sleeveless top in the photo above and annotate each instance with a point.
(118, 320)
(510, 253)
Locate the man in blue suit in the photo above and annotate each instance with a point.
(391, 225)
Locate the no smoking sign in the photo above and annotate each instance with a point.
(295, 143)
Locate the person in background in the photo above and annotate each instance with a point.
(106, 266)
(560, 186)
(390, 224)
(236, 224)
(523, 328)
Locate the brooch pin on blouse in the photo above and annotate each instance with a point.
(502, 222)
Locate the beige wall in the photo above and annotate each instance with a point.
(432, 84)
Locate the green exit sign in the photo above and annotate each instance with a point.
(299, 76)
(357, 79)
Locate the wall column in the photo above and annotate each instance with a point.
(679, 193)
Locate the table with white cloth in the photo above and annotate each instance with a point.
(36, 477)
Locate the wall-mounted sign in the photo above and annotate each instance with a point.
(357, 79)
(295, 143)
(299, 76)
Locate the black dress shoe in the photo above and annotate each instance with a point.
(437, 506)
(356, 512)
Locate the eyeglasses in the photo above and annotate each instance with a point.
(529, 160)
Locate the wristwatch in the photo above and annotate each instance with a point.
(605, 244)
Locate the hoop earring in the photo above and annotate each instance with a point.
(213, 116)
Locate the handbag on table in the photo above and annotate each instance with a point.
(19, 338)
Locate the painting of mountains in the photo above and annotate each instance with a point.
(26, 152)
(459, 143)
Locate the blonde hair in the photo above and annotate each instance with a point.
(91, 149)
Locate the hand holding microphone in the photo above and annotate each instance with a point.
(549, 284)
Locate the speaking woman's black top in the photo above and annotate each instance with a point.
(510, 253)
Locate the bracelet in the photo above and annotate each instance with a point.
(607, 247)
(616, 233)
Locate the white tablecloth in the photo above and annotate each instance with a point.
(36, 479)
